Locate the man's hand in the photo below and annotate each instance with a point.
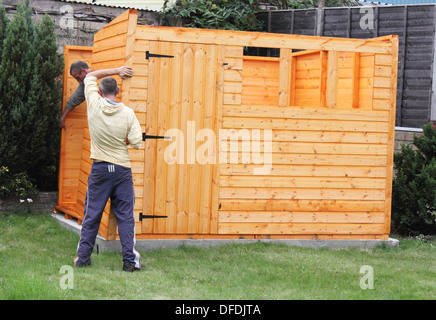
(63, 117)
(62, 124)
(125, 72)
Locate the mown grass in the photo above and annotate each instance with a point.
(33, 249)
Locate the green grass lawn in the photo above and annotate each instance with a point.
(34, 248)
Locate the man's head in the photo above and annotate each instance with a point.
(79, 70)
(108, 87)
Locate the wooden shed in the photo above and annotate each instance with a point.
(294, 147)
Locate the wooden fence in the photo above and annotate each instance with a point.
(415, 26)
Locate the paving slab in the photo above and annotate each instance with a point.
(154, 244)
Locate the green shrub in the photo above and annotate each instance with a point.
(17, 184)
(30, 98)
(213, 14)
(414, 186)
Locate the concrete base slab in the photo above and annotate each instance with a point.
(155, 244)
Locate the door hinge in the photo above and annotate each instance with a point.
(146, 136)
(149, 55)
(149, 216)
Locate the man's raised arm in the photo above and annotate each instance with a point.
(122, 72)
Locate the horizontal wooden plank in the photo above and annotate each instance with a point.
(232, 87)
(233, 63)
(382, 82)
(110, 43)
(382, 104)
(294, 112)
(112, 30)
(257, 39)
(230, 98)
(299, 228)
(303, 194)
(139, 82)
(109, 55)
(300, 217)
(312, 148)
(382, 71)
(302, 182)
(337, 137)
(382, 93)
(383, 60)
(292, 124)
(85, 166)
(305, 159)
(232, 75)
(306, 170)
(301, 205)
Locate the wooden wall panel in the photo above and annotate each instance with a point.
(329, 175)
(298, 146)
(72, 137)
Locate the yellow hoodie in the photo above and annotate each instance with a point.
(110, 124)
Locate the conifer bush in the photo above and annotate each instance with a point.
(30, 97)
(414, 186)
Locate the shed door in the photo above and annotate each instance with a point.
(179, 174)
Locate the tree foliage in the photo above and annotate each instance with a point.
(414, 186)
(29, 97)
(213, 14)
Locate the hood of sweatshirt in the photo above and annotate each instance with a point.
(110, 107)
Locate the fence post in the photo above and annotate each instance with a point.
(319, 30)
(433, 83)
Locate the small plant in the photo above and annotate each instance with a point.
(414, 186)
(17, 184)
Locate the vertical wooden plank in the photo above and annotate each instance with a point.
(284, 79)
(292, 81)
(174, 123)
(183, 177)
(332, 79)
(355, 79)
(391, 139)
(323, 78)
(208, 121)
(197, 109)
(213, 229)
(162, 114)
(62, 147)
(150, 144)
(130, 43)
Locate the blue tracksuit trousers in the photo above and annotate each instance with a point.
(107, 180)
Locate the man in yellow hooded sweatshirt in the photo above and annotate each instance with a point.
(112, 125)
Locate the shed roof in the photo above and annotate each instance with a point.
(152, 5)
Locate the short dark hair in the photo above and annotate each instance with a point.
(77, 66)
(109, 85)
